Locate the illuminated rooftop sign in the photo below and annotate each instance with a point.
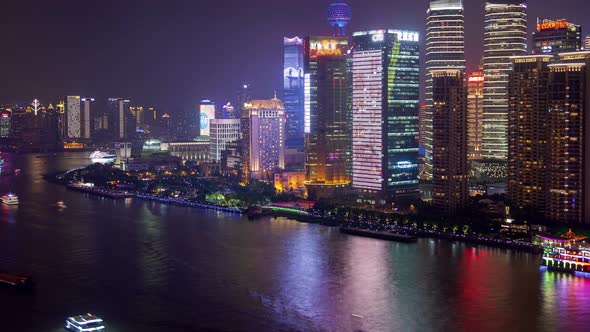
(548, 25)
(476, 79)
(327, 47)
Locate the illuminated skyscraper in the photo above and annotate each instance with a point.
(137, 112)
(445, 50)
(474, 114)
(555, 36)
(385, 106)
(587, 43)
(5, 124)
(449, 159)
(266, 138)
(569, 138)
(505, 36)
(227, 112)
(528, 131)
(327, 115)
(206, 114)
(293, 92)
(222, 131)
(73, 117)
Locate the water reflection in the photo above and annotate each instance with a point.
(147, 266)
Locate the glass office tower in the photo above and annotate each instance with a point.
(327, 115)
(293, 92)
(505, 37)
(385, 106)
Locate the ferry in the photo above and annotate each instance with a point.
(87, 322)
(568, 253)
(16, 280)
(102, 157)
(567, 259)
(10, 199)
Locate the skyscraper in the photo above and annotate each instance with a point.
(5, 124)
(86, 118)
(587, 43)
(528, 131)
(266, 138)
(73, 117)
(505, 36)
(327, 115)
(222, 131)
(293, 93)
(474, 114)
(445, 50)
(385, 106)
(119, 116)
(568, 163)
(555, 36)
(449, 141)
(206, 114)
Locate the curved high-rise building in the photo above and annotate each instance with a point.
(505, 36)
(445, 50)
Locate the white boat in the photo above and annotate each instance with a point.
(102, 157)
(10, 199)
(60, 205)
(87, 322)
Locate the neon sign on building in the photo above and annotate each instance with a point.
(552, 25)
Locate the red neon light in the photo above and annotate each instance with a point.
(552, 25)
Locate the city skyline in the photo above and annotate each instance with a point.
(139, 65)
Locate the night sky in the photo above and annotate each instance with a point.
(171, 53)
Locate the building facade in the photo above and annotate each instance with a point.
(555, 36)
(267, 137)
(293, 93)
(87, 118)
(73, 117)
(197, 151)
(385, 106)
(445, 50)
(120, 119)
(327, 115)
(505, 36)
(222, 131)
(206, 114)
(450, 168)
(568, 165)
(5, 124)
(528, 131)
(474, 114)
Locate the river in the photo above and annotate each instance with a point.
(144, 266)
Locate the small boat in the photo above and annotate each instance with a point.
(102, 157)
(87, 322)
(60, 205)
(10, 199)
(16, 280)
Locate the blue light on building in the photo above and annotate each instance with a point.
(293, 93)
